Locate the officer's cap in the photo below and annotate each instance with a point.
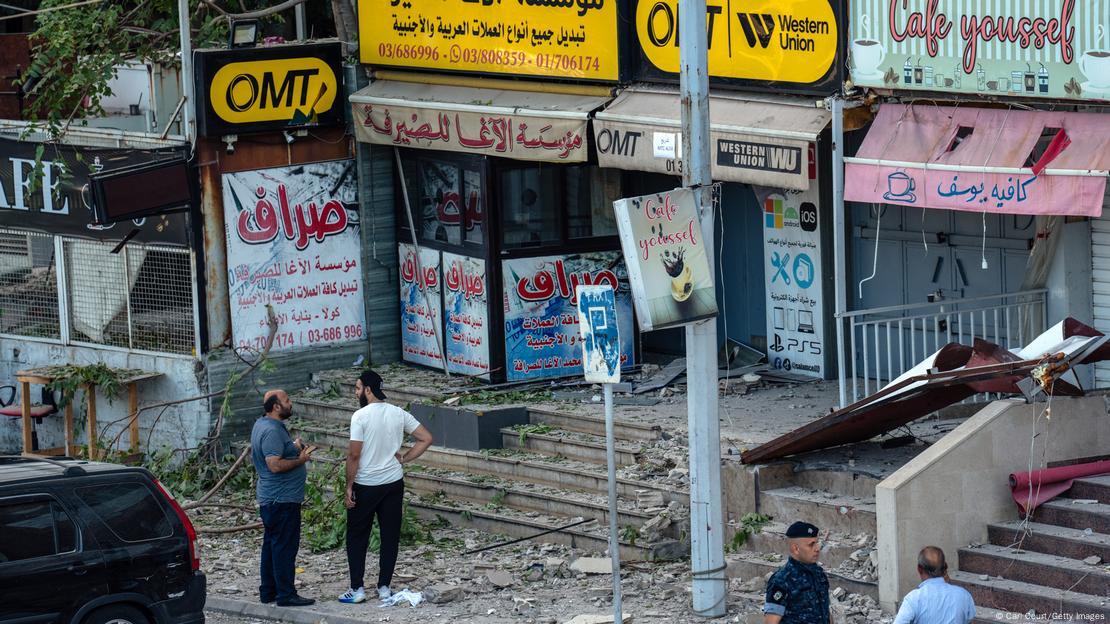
(801, 529)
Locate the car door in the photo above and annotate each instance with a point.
(48, 569)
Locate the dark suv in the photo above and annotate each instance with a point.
(94, 543)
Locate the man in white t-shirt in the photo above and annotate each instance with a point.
(375, 481)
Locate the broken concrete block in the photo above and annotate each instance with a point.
(649, 498)
(839, 593)
(593, 565)
(440, 594)
(534, 573)
(587, 618)
(499, 578)
(1093, 560)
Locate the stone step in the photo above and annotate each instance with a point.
(1035, 568)
(1066, 513)
(1097, 488)
(581, 446)
(328, 438)
(544, 470)
(1053, 540)
(494, 493)
(591, 537)
(341, 382)
(771, 539)
(324, 412)
(1018, 597)
(747, 565)
(830, 512)
(595, 425)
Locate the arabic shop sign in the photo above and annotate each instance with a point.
(541, 311)
(793, 44)
(292, 245)
(667, 263)
(466, 312)
(557, 38)
(518, 137)
(1056, 49)
(268, 88)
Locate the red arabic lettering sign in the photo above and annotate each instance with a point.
(466, 308)
(293, 245)
(421, 305)
(518, 137)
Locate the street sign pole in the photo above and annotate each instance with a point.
(706, 520)
(614, 537)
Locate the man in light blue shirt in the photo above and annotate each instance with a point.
(935, 601)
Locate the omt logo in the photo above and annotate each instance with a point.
(253, 91)
(776, 215)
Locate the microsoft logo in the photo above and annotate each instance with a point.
(775, 214)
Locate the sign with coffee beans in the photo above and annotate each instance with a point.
(1056, 49)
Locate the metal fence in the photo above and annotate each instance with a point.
(886, 342)
(141, 298)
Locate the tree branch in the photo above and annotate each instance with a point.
(221, 482)
(234, 529)
(278, 8)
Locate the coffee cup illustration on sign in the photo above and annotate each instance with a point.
(1095, 65)
(900, 188)
(868, 55)
(682, 278)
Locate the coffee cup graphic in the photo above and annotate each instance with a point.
(868, 55)
(900, 188)
(1095, 65)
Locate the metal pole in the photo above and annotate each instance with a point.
(707, 556)
(298, 13)
(186, 69)
(614, 539)
(840, 270)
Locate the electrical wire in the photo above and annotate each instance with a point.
(49, 9)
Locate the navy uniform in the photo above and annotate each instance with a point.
(799, 592)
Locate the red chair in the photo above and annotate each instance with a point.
(48, 407)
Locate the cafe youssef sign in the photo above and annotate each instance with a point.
(790, 44)
(270, 88)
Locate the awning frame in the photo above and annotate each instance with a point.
(481, 109)
(904, 164)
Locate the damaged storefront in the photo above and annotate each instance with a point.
(79, 293)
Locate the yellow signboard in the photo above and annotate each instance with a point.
(273, 90)
(774, 40)
(560, 38)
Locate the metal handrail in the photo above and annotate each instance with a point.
(854, 313)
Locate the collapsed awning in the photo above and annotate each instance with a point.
(494, 122)
(763, 142)
(979, 159)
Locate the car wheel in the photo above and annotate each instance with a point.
(117, 614)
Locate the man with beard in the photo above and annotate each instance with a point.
(375, 481)
(280, 463)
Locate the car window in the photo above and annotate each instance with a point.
(35, 528)
(129, 510)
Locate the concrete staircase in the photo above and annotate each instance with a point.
(1039, 566)
(549, 476)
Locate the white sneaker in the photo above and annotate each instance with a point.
(353, 596)
(383, 592)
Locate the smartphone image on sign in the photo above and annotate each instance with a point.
(780, 318)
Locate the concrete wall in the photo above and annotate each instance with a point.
(948, 494)
(1069, 284)
(181, 426)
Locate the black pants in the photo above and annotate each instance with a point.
(280, 541)
(384, 501)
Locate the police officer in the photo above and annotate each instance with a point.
(799, 592)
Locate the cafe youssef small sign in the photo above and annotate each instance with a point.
(1058, 49)
(268, 88)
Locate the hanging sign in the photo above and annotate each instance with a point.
(600, 334)
(1057, 49)
(268, 88)
(557, 38)
(790, 45)
(293, 246)
(465, 309)
(794, 281)
(541, 311)
(421, 305)
(668, 266)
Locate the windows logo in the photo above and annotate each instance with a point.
(775, 214)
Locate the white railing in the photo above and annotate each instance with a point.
(885, 342)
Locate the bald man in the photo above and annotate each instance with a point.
(280, 463)
(935, 601)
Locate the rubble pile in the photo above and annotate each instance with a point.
(861, 565)
(849, 608)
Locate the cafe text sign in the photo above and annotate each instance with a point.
(1057, 49)
(792, 43)
(559, 38)
(268, 88)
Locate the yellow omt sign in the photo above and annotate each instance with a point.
(780, 40)
(277, 90)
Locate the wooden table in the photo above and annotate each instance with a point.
(44, 376)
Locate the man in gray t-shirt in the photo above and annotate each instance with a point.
(280, 463)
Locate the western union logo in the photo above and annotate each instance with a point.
(291, 89)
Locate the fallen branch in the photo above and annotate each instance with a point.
(219, 506)
(221, 482)
(234, 529)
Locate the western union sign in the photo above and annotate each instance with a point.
(260, 89)
(780, 41)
